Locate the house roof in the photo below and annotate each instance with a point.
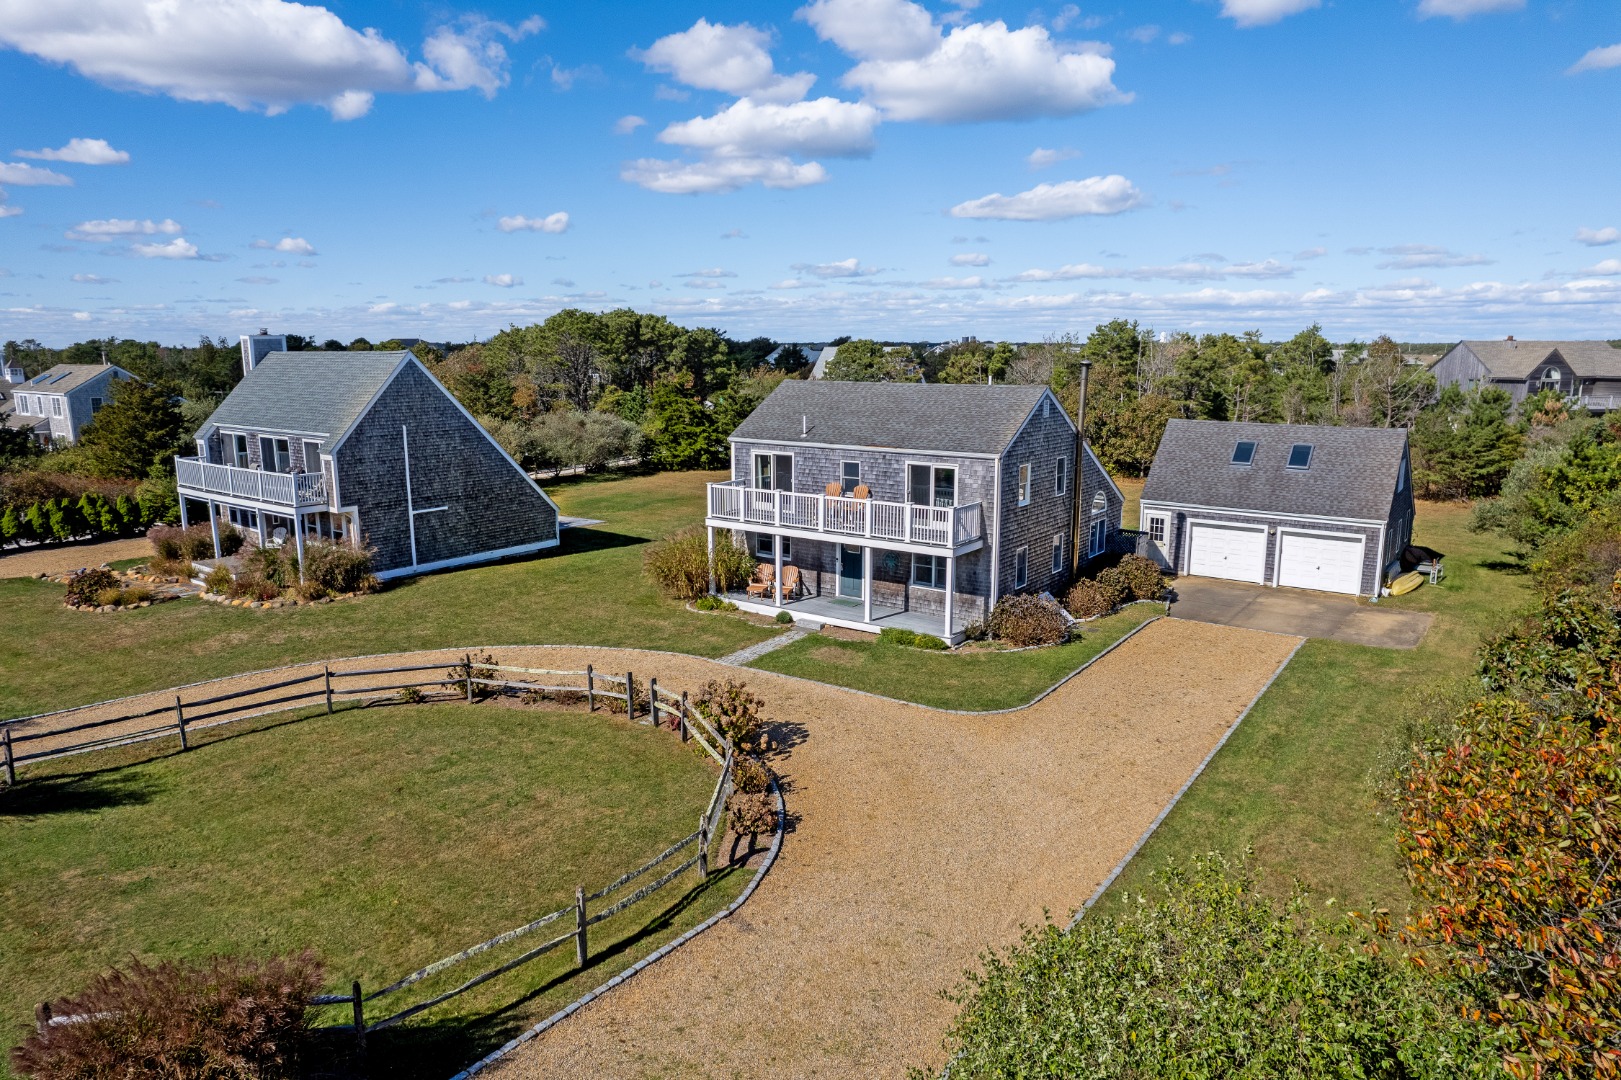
(307, 393)
(1519, 359)
(939, 417)
(64, 377)
(823, 358)
(1352, 474)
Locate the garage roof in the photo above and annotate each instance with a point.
(1352, 475)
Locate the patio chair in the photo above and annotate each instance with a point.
(790, 583)
(833, 490)
(764, 577)
(862, 491)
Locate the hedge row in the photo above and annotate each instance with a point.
(92, 515)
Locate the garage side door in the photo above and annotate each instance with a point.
(1234, 552)
(1328, 562)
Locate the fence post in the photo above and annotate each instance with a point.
(579, 924)
(703, 844)
(682, 719)
(327, 669)
(630, 696)
(180, 719)
(42, 1017)
(590, 689)
(11, 764)
(469, 667)
(653, 700)
(360, 1020)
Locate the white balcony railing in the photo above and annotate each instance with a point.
(283, 489)
(940, 526)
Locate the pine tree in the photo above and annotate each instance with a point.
(38, 522)
(10, 526)
(129, 514)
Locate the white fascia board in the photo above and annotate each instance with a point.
(468, 560)
(1161, 505)
(871, 449)
(842, 538)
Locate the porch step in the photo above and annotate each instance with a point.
(754, 652)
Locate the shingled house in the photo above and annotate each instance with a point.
(1586, 372)
(900, 504)
(1325, 508)
(55, 405)
(360, 447)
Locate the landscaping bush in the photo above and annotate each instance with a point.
(1022, 620)
(714, 603)
(218, 581)
(1142, 578)
(85, 588)
(337, 568)
(1210, 978)
(1089, 598)
(110, 597)
(137, 594)
(279, 566)
(474, 667)
(735, 712)
(194, 542)
(894, 635)
(784, 618)
(680, 564)
(222, 1019)
(752, 813)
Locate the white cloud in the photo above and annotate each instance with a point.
(264, 55)
(1184, 271)
(256, 280)
(12, 172)
(1043, 158)
(1463, 9)
(873, 29)
(796, 283)
(93, 279)
(502, 281)
(289, 245)
(627, 124)
(1607, 268)
(745, 128)
(1071, 272)
(1600, 59)
(720, 174)
(971, 258)
(1598, 237)
(1055, 202)
(178, 248)
(81, 152)
(1423, 256)
(1179, 38)
(1310, 253)
(975, 282)
(81, 316)
(113, 228)
(1144, 35)
(712, 272)
(551, 223)
(734, 59)
(5, 212)
(1264, 12)
(844, 268)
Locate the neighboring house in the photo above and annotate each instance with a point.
(1587, 372)
(971, 495)
(823, 358)
(56, 404)
(361, 447)
(1326, 508)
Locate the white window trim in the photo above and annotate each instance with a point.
(1164, 527)
(1027, 483)
(936, 562)
(842, 463)
(1093, 547)
(1058, 554)
(754, 471)
(1021, 555)
(56, 406)
(1061, 480)
(761, 539)
(22, 405)
(956, 480)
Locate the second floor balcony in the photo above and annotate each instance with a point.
(839, 517)
(201, 479)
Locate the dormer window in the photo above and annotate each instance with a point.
(1244, 453)
(1300, 456)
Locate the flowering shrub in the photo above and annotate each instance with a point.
(735, 712)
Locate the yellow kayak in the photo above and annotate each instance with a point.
(1407, 583)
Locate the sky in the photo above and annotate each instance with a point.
(1431, 169)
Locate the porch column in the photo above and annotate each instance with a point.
(776, 553)
(711, 531)
(185, 521)
(951, 591)
(866, 584)
(259, 519)
(298, 532)
(214, 525)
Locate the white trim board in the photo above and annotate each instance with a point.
(854, 446)
(1143, 504)
(468, 560)
(842, 538)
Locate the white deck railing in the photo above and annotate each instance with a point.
(284, 489)
(941, 526)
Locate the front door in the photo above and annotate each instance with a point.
(850, 575)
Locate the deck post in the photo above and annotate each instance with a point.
(185, 520)
(259, 520)
(776, 552)
(298, 539)
(866, 584)
(711, 560)
(951, 591)
(214, 524)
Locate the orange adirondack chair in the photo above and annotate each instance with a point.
(764, 578)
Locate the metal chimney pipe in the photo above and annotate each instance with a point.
(1077, 472)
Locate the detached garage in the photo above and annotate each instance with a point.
(1291, 505)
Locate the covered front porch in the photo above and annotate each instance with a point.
(851, 615)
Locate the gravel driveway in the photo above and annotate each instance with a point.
(27, 562)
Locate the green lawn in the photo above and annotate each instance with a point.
(974, 681)
(591, 591)
(1297, 781)
(384, 838)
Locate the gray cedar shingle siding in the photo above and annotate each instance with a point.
(1371, 560)
(1585, 367)
(1047, 437)
(306, 393)
(491, 505)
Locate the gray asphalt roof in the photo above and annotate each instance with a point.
(309, 393)
(1518, 359)
(962, 419)
(64, 377)
(1352, 475)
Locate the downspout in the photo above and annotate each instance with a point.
(996, 535)
(1076, 485)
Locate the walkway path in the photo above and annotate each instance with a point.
(750, 653)
(921, 839)
(49, 559)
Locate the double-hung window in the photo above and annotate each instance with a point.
(931, 485)
(284, 456)
(929, 571)
(1061, 483)
(1058, 555)
(1021, 568)
(22, 405)
(849, 477)
(239, 451)
(765, 548)
(56, 406)
(1024, 485)
(774, 472)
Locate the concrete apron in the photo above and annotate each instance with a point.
(1298, 612)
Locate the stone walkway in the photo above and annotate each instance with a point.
(754, 652)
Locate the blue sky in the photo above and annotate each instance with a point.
(1433, 169)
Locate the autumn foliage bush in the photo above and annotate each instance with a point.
(1022, 620)
(1143, 578)
(85, 588)
(680, 564)
(1089, 598)
(222, 1019)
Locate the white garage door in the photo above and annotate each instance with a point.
(1235, 552)
(1328, 562)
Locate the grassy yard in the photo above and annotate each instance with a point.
(1297, 781)
(976, 681)
(383, 838)
(590, 591)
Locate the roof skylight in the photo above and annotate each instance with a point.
(1300, 456)
(1244, 453)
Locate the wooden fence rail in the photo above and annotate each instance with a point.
(682, 716)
